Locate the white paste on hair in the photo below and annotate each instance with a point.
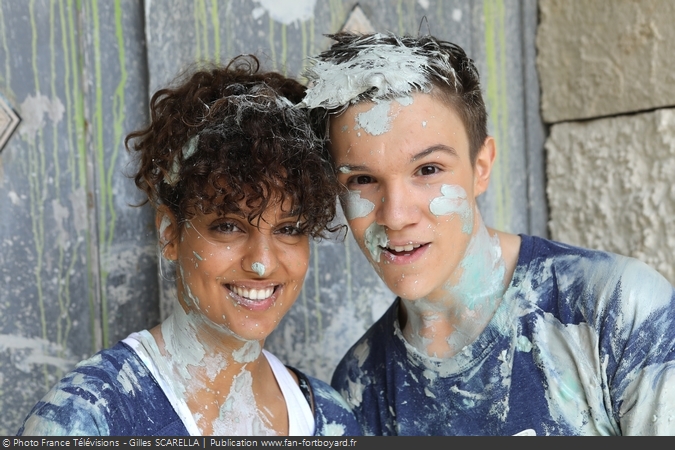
(391, 71)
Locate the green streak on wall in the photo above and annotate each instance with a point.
(36, 175)
(61, 300)
(52, 85)
(273, 48)
(495, 52)
(201, 25)
(284, 50)
(337, 15)
(75, 69)
(303, 49)
(312, 40)
(229, 34)
(103, 188)
(215, 23)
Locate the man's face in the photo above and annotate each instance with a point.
(411, 190)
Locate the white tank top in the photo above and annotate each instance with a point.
(300, 417)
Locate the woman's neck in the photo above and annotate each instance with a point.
(220, 376)
(442, 325)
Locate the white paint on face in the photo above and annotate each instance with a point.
(355, 206)
(453, 200)
(258, 268)
(375, 237)
(376, 120)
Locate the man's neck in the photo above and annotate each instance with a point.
(441, 327)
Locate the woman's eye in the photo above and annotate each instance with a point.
(290, 230)
(427, 170)
(227, 227)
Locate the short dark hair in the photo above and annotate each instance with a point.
(227, 134)
(446, 68)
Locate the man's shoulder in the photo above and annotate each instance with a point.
(593, 282)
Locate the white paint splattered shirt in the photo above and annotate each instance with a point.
(583, 343)
(114, 394)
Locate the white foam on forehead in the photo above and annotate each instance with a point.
(390, 71)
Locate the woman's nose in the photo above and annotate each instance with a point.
(261, 258)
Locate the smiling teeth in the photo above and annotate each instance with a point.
(405, 248)
(253, 294)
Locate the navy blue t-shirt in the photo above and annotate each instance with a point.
(583, 343)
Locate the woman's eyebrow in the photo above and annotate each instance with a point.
(432, 149)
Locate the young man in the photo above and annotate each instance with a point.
(491, 333)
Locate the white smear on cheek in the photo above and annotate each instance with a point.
(453, 200)
(375, 238)
(355, 206)
(258, 268)
(197, 255)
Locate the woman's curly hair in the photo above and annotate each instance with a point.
(232, 134)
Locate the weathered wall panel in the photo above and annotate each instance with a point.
(72, 252)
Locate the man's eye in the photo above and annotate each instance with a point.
(361, 179)
(427, 170)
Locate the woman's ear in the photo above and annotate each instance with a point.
(167, 231)
(482, 168)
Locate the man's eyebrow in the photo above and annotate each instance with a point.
(346, 168)
(432, 149)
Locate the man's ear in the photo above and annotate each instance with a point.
(167, 231)
(482, 168)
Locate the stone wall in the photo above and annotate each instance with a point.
(606, 73)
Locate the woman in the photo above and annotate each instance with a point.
(239, 184)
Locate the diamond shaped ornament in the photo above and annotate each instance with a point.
(9, 120)
(358, 22)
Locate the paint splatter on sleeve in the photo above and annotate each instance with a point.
(109, 394)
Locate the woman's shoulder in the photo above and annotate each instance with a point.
(111, 393)
(332, 414)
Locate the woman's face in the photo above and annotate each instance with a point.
(242, 278)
